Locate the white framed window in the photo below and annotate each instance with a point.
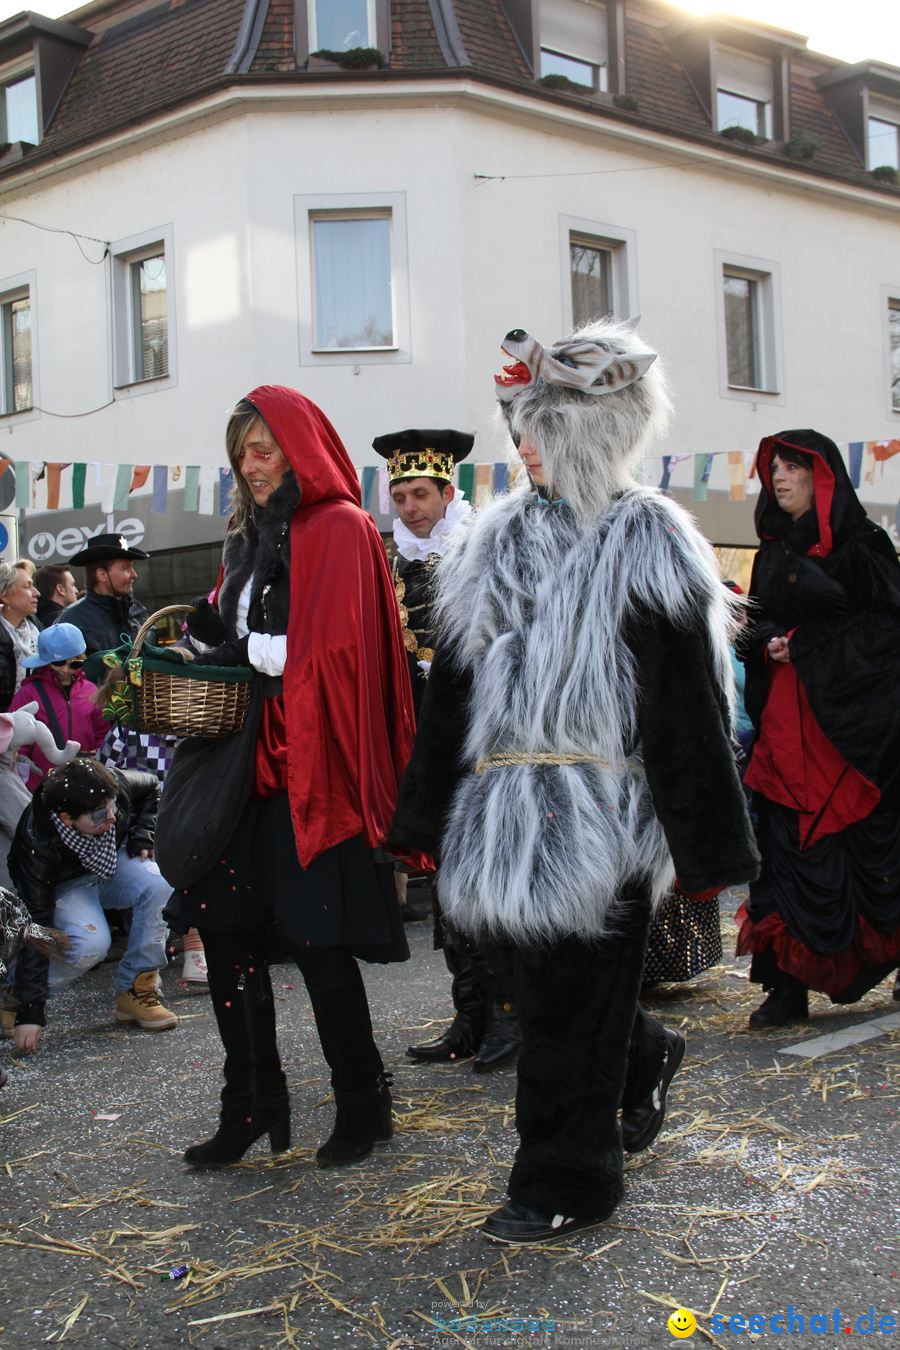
(574, 41)
(891, 301)
(353, 278)
(17, 346)
(598, 265)
(19, 110)
(340, 25)
(143, 310)
(744, 92)
(749, 321)
(882, 134)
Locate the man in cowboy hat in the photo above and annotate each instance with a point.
(108, 608)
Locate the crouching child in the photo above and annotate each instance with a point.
(84, 845)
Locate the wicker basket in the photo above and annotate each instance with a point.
(173, 702)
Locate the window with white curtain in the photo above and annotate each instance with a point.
(340, 25)
(16, 383)
(894, 351)
(353, 290)
(744, 92)
(18, 111)
(351, 271)
(143, 312)
(573, 41)
(749, 327)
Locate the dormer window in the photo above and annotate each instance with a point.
(574, 42)
(19, 112)
(744, 91)
(882, 135)
(341, 25)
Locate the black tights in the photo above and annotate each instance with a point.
(237, 965)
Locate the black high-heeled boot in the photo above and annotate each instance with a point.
(363, 1119)
(255, 1097)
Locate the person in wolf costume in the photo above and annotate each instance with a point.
(573, 754)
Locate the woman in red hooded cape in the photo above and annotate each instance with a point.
(305, 598)
(823, 690)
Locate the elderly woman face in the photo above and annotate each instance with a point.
(793, 486)
(261, 462)
(21, 599)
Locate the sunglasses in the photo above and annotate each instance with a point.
(75, 662)
(102, 814)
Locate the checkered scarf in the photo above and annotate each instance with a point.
(98, 852)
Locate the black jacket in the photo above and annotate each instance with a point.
(8, 665)
(39, 862)
(103, 619)
(48, 611)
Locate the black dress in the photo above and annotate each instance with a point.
(826, 907)
(346, 897)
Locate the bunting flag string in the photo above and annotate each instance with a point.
(51, 487)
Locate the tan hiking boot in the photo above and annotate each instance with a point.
(142, 1004)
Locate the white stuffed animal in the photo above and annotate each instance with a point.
(22, 728)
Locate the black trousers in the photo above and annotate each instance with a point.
(336, 991)
(587, 1049)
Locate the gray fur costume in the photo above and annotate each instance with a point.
(573, 749)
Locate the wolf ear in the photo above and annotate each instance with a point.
(622, 371)
(631, 325)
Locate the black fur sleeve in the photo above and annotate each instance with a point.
(435, 766)
(689, 758)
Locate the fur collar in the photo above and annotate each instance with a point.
(262, 552)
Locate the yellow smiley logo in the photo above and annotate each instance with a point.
(682, 1323)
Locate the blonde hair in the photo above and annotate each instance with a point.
(26, 565)
(7, 576)
(242, 418)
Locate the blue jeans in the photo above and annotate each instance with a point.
(79, 908)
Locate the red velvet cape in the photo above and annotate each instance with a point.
(347, 699)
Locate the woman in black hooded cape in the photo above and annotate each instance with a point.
(825, 766)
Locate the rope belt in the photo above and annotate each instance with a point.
(502, 758)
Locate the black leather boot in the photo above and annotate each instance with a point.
(363, 1119)
(501, 1040)
(255, 1097)
(463, 1036)
(786, 1004)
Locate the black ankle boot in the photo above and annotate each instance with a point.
(786, 1004)
(459, 1041)
(363, 1119)
(239, 1127)
(501, 1040)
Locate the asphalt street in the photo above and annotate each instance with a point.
(771, 1187)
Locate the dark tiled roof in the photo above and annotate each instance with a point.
(489, 41)
(414, 43)
(276, 46)
(162, 56)
(177, 51)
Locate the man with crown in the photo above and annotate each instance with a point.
(429, 508)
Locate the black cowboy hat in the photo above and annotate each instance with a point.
(106, 548)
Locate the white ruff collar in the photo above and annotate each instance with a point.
(414, 549)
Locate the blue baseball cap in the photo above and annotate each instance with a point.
(60, 642)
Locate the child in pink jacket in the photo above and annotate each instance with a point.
(64, 695)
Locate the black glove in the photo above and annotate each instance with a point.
(205, 624)
(228, 654)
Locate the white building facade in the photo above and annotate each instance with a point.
(369, 239)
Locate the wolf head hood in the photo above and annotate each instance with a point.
(590, 404)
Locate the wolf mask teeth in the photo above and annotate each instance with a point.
(591, 367)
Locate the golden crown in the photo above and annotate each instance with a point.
(424, 463)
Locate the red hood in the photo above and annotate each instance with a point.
(320, 463)
(823, 490)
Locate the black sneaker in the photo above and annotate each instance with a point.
(517, 1225)
(641, 1124)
